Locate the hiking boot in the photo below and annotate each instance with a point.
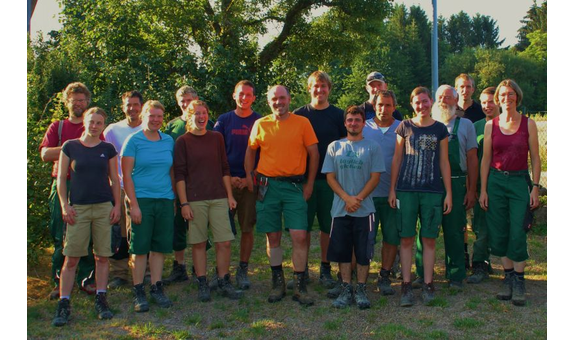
(406, 294)
(178, 274)
(116, 283)
(300, 293)
(227, 289)
(325, 278)
(335, 291)
(518, 294)
(290, 283)
(102, 308)
(384, 283)
(278, 286)
(417, 283)
(455, 285)
(428, 293)
(203, 289)
(242, 278)
(157, 294)
(213, 284)
(89, 288)
(62, 313)
(345, 298)
(506, 291)
(479, 273)
(361, 296)
(140, 301)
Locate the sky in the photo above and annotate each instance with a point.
(507, 13)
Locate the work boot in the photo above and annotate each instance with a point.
(518, 294)
(55, 293)
(140, 301)
(242, 278)
(345, 298)
(178, 274)
(455, 285)
(300, 293)
(62, 313)
(325, 278)
(290, 283)
(227, 289)
(384, 283)
(479, 273)
(361, 296)
(116, 283)
(506, 291)
(406, 294)
(157, 294)
(335, 291)
(427, 293)
(278, 286)
(417, 283)
(102, 308)
(203, 289)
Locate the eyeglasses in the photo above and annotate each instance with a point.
(375, 76)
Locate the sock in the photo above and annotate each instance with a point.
(243, 264)
(508, 272)
(520, 276)
(298, 273)
(100, 291)
(274, 268)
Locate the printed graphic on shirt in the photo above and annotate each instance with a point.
(420, 155)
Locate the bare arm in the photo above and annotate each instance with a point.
(187, 212)
(395, 164)
(228, 185)
(472, 172)
(249, 163)
(313, 165)
(130, 190)
(535, 162)
(115, 180)
(352, 203)
(485, 163)
(446, 174)
(50, 154)
(68, 212)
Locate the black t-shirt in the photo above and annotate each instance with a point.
(328, 126)
(89, 183)
(370, 111)
(474, 112)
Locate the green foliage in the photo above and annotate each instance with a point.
(535, 20)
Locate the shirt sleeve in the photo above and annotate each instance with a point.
(112, 150)
(180, 160)
(401, 130)
(328, 165)
(471, 136)
(220, 126)
(223, 156)
(50, 139)
(309, 137)
(443, 133)
(66, 148)
(129, 148)
(253, 142)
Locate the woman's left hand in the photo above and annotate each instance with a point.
(115, 214)
(534, 198)
(232, 203)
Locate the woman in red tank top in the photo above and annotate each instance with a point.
(507, 193)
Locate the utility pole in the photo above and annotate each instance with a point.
(434, 53)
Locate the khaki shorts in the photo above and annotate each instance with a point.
(246, 208)
(92, 220)
(214, 212)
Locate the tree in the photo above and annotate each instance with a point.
(535, 20)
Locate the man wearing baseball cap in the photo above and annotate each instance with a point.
(373, 83)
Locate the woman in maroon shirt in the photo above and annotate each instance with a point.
(507, 193)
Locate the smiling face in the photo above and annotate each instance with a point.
(198, 118)
(185, 100)
(279, 100)
(319, 91)
(464, 88)
(421, 104)
(488, 105)
(132, 107)
(153, 119)
(507, 98)
(77, 103)
(354, 124)
(244, 97)
(94, 124)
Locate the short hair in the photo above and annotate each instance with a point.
(271, 87)
(151, 104)
(133, 94)
(354, 110)
(186, 90)
(96, 111)
(443, 88)
(189, 109)
(385, 94)
(246, 83)
(319, 76)
(489, 90)
(465, 76)
(419, 90)
(76, 87)
(509, 83)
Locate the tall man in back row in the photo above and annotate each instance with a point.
(374, 83)
(285, 141)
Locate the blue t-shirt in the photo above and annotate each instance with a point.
(420, 167)
(386, 141)
(152, 163)
(353, 163)
(89, 182)
(236, 131)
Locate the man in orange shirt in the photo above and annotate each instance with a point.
(285, 141)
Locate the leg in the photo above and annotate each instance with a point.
(67, 275)
(199, 258)
(405, 256)
(102, 271)
(299, 252)
(139, 263)
(223, 253)
(156, 261)
(428, 259)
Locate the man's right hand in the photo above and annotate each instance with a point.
(136, 215)
(187, 213)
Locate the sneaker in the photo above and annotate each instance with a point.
(116, 283)
(384, 283)
(428, 293)
(290, 283)
(278, 286)
(54, 294)
(506, 291)
(213, 284)
(227, 289)
(140, 301)
(89, 288)
(417, 283)
(335, 291)
(325, 278)
(479, 273)
(361, 296)
(406, 294)
(345, 298)
(102, 308)
(300, 293)
(455, 285)
(242, 278)
(178, 274)
(157, 294)
(203, 289)
(518, 293)
(62, 313)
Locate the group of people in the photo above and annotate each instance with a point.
(355, 170)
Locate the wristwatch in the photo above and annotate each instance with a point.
(537, 185)
(185, 203)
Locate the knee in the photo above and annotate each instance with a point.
(407, 242)
(71, 262)
(223, 245)
(428, 242)
(299, 239)
(101, 260)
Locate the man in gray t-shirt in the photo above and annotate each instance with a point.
(352, 167)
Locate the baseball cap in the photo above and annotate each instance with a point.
(374, 76)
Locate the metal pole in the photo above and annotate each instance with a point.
(434, 53)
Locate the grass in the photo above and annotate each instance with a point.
(473, 313)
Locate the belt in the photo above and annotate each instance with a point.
(291, 179)
(510, 173)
